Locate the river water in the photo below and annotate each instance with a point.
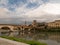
(51, 38)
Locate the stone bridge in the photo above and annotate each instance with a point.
(9, 27)
(20, 29)
(16, 27)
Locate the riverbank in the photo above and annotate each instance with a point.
(4, 41)
(30, 42)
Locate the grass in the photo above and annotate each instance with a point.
(31, 42)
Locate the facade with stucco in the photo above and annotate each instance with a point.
(55, 24)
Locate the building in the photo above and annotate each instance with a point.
(55, 24)
(34, 23)
(38, 25)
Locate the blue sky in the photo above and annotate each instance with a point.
(12, 4)
(32, 9)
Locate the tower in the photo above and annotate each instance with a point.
(34, 23)
(25, 23)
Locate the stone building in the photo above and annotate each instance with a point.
(55, 24)
(38, 25)
(34, 23)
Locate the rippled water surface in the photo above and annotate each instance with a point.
(51, 38)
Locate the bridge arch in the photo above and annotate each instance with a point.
(5, 28)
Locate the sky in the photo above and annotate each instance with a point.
(18, 11)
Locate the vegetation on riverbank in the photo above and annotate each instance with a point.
(31, 42)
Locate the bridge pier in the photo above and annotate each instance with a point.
(21, 31)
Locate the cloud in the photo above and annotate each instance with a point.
(22, 11)
(46, 12)
(3, 12)
(3, 3)
(41, 10)
(54, 1)
(52, 8)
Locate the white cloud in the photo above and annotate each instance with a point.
(36, 1)
(20, 11)
(48, 8)
(4, 2)
(3, 12)
(47, 12)
(54, 1)
(52, 8)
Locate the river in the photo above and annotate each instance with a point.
(51, 38)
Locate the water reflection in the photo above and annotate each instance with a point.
(31, 35)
